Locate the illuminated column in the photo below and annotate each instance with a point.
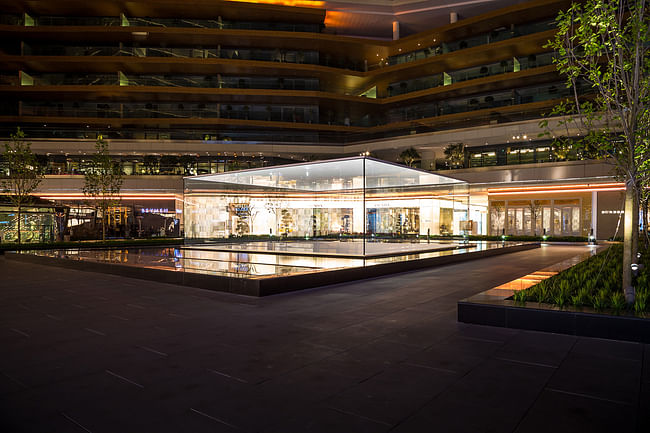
(395, 30)
(594, 212)
(453, 17)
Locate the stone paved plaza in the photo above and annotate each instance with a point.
(91, 352)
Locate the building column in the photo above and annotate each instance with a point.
(395, 30)
(594, 213)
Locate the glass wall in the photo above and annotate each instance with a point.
(566, 216)
(359, 199)
(38, 223)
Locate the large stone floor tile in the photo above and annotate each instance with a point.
(568, 413)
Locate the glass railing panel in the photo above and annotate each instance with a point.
(436, 80)
(77, 21)
(496, 35)
(265, 55)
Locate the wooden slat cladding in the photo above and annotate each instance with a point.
(208, 9)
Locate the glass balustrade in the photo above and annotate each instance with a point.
(496, 35)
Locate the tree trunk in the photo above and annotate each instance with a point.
(635, 225)
(645, 223)
(20, 213)
(628, 235)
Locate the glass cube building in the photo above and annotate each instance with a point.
(355, 199)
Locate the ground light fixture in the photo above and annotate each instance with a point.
(592, 238)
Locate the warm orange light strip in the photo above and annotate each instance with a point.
(295, 3)
(558, 191)
(555, 187)
(121, 197)
(614, 186)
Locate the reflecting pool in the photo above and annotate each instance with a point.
(226, 260)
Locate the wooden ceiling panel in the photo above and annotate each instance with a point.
(200, 9)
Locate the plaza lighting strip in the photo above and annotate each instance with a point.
(79, 196)
(558, 189)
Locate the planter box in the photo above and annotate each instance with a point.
(583, 322)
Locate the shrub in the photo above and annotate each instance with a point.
(520, 296)
(641, 301)
(617, 300)
(581, 297)
(599, 300)
(563, 293)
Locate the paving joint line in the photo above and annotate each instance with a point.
(227, 375)
(214, 418)
(18, 331)
(148, 349)
(534, 364)
(541, 391)
(591, 397)
(376, 421)
(124, 379)
(75, 422)
(94, 331)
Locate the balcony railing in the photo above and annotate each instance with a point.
(483, 71)
(117, 21)
(497, 35)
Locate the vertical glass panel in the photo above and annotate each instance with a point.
(489, 158)
(520, 220)
(546, 220)
(526, 156)
(527, 222)
(497, 218)
(511, 221)
(542, 154)
(557, 228)
(513, 156)
(575, 223)
(566, 220)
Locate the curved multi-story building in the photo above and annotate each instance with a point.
(205, 86)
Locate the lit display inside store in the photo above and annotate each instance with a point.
(354, 199)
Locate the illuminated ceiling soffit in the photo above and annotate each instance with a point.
(374, 18)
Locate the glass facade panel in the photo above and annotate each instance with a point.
(546, 221)
(37, 224)
(557, 228)
(360, 199)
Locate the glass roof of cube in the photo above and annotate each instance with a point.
(331, 175)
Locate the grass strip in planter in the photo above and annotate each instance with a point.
(594, 283)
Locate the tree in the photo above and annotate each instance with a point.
(455, 154)
(606, 44)
(409, 156)
(24, 173)
(103, 181)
